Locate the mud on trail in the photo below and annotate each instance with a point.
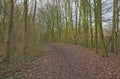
(62, 61)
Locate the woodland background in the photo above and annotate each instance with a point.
(26, 24)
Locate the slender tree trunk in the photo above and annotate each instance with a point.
(115, 27)
(25, 25)
(52, 31)
(96, 24)
(66, 21)
(58, 21)
(91, 31)
(76, 24)
(71, 21)
(80, 23)
(85, 24)
(10, 35)
(33, 20)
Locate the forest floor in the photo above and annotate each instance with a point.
(64, 61)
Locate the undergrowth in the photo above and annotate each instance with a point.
(19, 62)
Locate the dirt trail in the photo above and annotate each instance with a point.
(72, 62)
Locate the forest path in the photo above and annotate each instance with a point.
(63, 61)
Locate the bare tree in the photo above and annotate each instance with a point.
(25, 25)
(10, 36)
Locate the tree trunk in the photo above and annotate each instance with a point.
(10, 37)
(25, 25)
(115, 27)
(85, 24)
(91, 31)
(104, 54)
(33, 20)
(96, 28)
(76, 23)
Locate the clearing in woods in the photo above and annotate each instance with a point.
(63, 61)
